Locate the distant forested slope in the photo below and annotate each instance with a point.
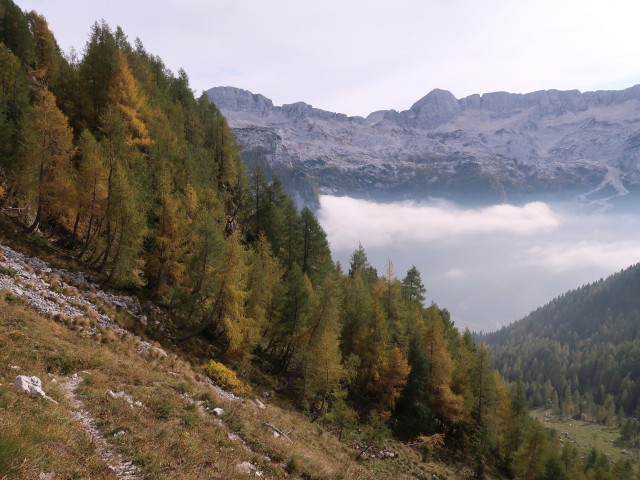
(581, 352)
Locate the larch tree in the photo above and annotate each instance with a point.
(46, 169)
(220, 294)
(322, 362)
(125, 225)
(14, 101)
(165, 264)
(447, 405)
(194, 301)
(125, 96)
(376, 347)
(389, 380)
(91, 190)
(399, 314)
(357, 308)
(518, 420)
(485, 413)
(47, 53)
(264, 277)
(240, 333)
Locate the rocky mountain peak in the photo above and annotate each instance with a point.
(437, 107)
(297, 110)
(239, 100)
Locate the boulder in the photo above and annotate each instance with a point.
(32, 386)
(246, 467)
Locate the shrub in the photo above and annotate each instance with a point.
(10, 272)
(225, 378)
(38, 240)
(65, 362)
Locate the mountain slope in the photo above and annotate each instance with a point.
(586, 341)
(125, 409)
(498, 146)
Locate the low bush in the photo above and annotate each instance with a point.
(225, 378)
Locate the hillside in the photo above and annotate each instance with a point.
(494, 147)
(121, 407)
(579, 353)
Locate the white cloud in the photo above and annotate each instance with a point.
(456, 273)
(348, 221)
(563, 257)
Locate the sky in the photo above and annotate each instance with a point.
(359, 56)
(488, 266)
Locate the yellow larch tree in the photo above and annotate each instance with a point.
(46, 171)
(165, 265)
(447, 405)
(124, 94)
(91, 190)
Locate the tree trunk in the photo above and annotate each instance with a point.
(36, 221)
(208, 321)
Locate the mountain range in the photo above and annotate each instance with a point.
(482, 148)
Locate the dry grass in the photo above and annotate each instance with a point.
(169, 436)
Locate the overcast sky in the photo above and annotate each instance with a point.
(358, 56)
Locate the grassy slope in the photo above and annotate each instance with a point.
(588, 435)
(169, 437)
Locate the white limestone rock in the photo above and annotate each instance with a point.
(124, 396)
(32, 386)
(249, 469)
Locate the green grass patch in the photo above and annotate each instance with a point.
(586, 436)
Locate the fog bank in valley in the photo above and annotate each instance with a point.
(488, 266)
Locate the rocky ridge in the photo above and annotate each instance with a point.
(495, 146)
(73, 295)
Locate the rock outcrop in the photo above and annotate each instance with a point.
(32, 386)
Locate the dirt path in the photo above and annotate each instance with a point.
(121, 467)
